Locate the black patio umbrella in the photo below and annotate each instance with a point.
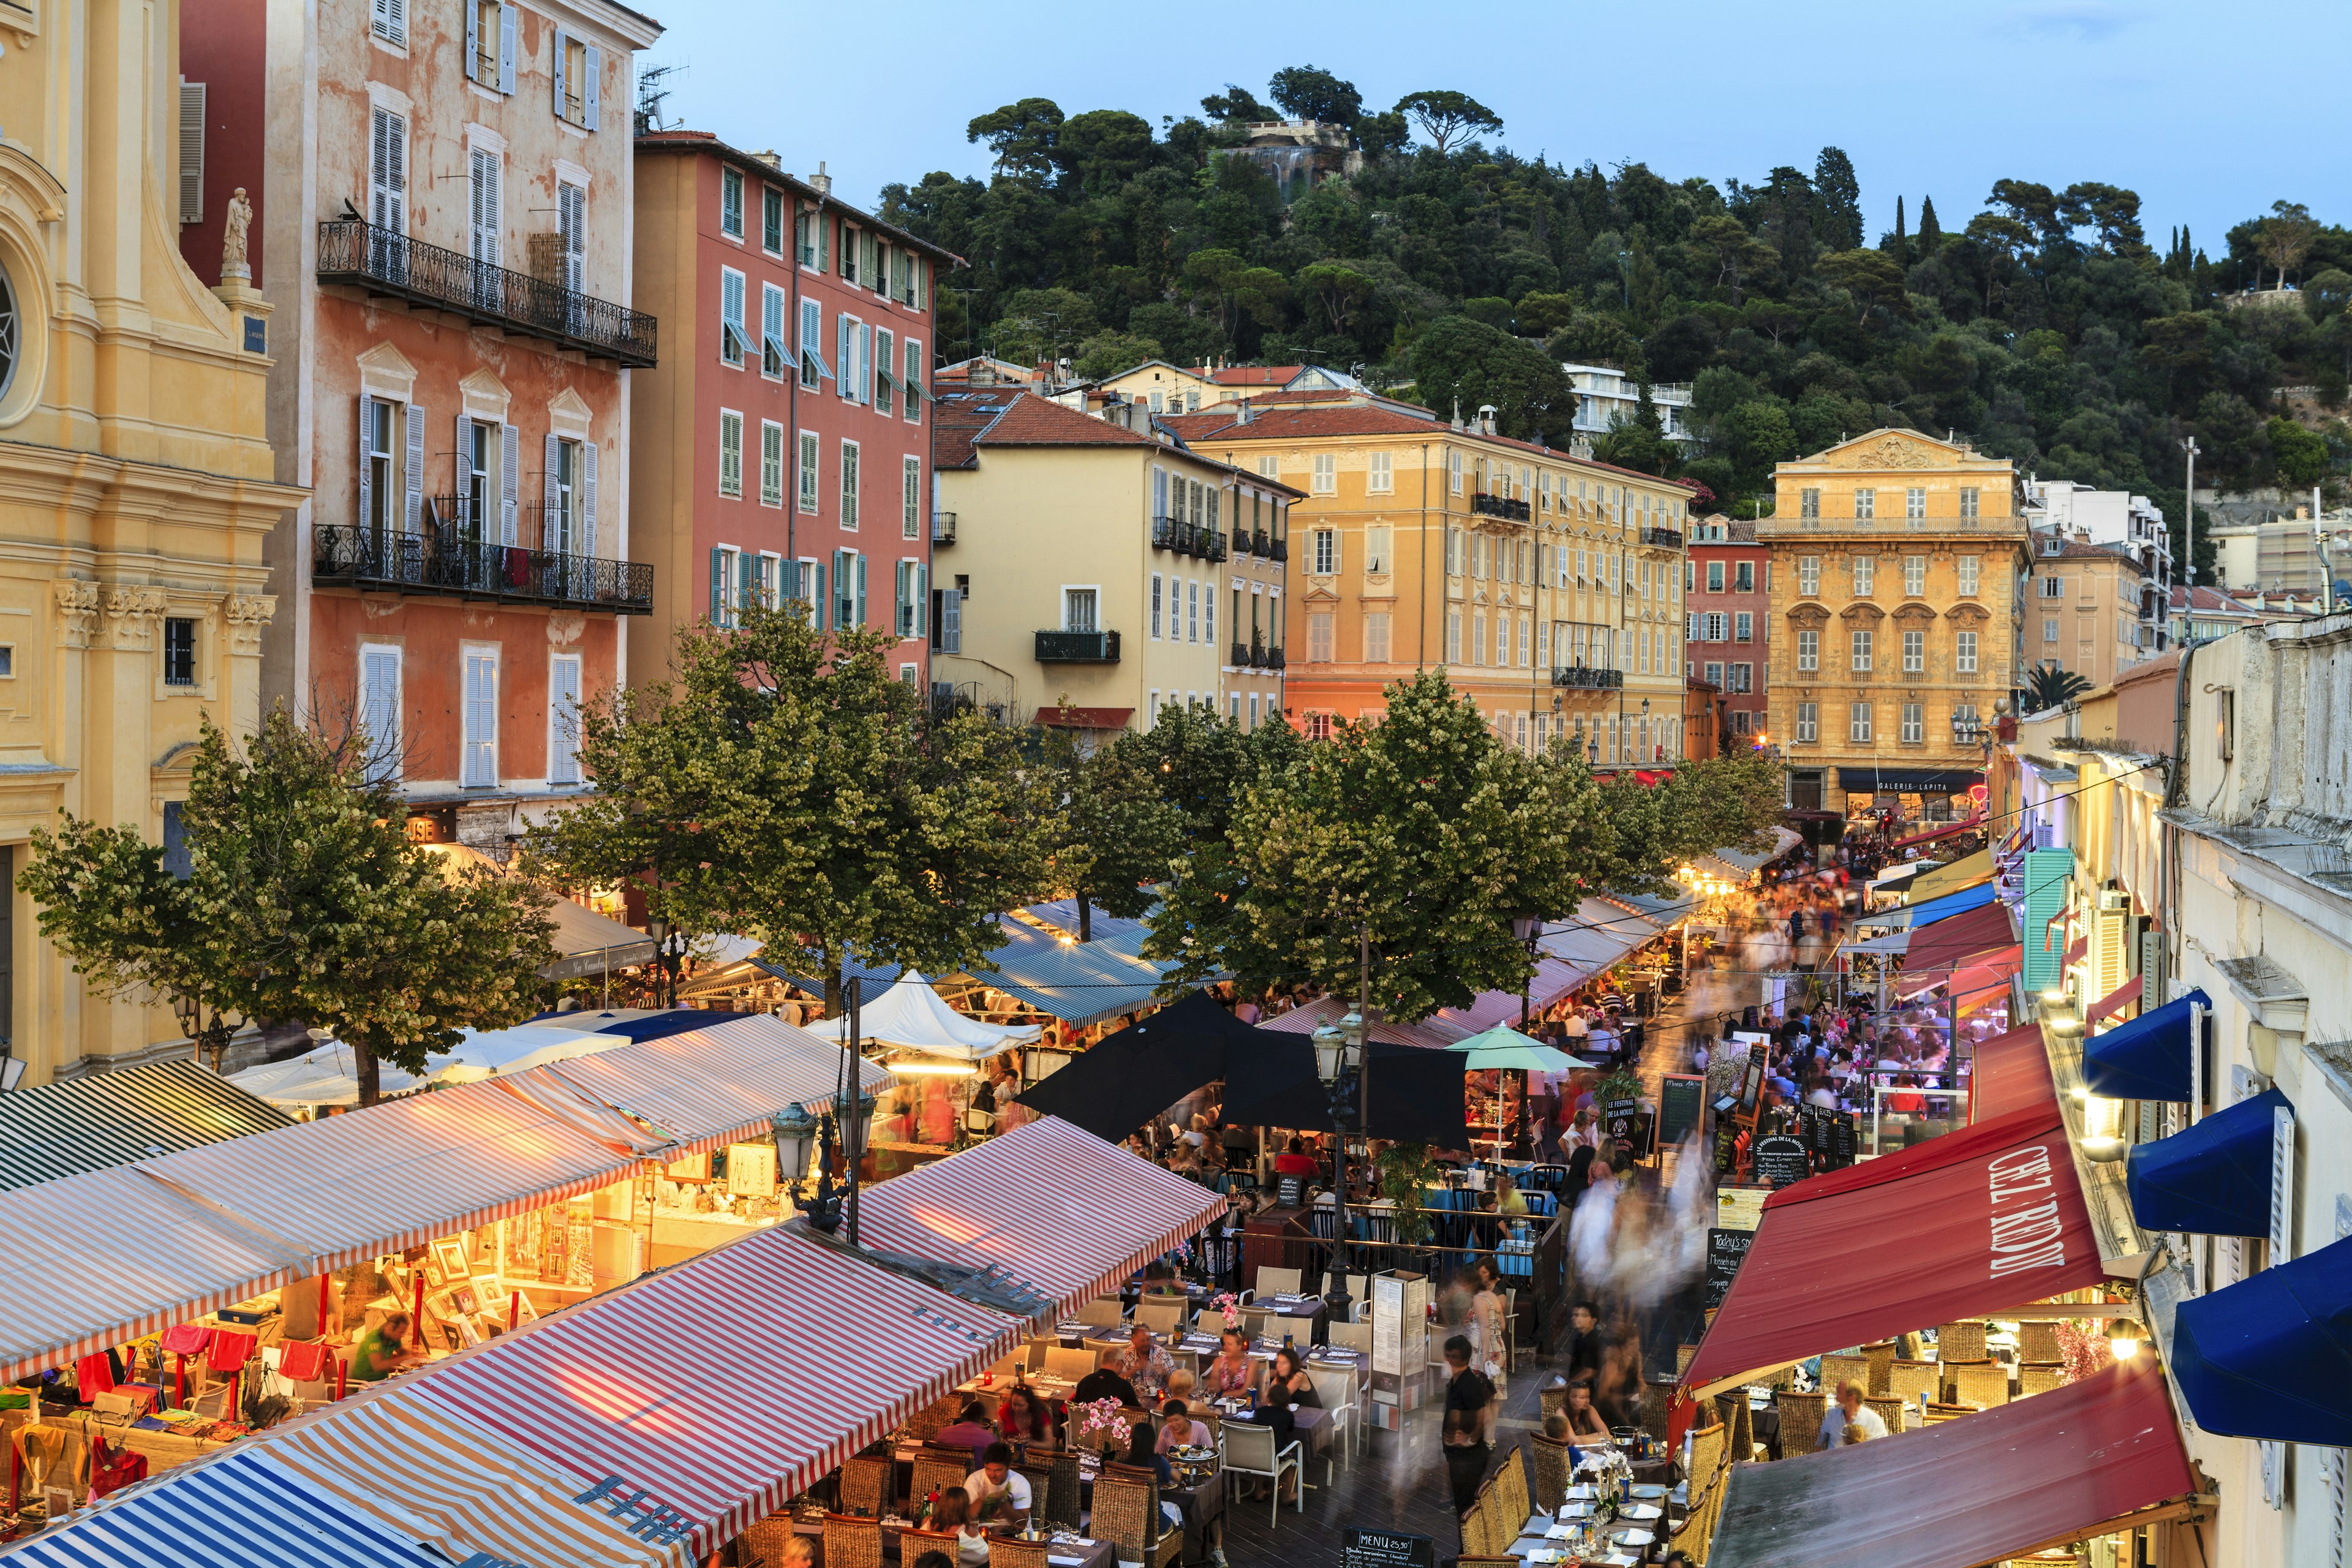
(1127, 1078)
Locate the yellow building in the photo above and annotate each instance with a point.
(1550, 586)
(134, 487)
(2083, 608)
(1897, 571)
(1084, 563)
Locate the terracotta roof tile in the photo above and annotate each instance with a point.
(1255, 374)
(963, 422)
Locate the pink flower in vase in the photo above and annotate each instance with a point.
(1229, 1309)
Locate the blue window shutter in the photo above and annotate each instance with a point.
(718, 587)
(861, 590)
(817, 611)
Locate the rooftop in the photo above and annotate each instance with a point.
(759, 168)
(1359, 416)
(964, 422)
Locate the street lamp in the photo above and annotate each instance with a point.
(1339, 1062)
(795, 1134)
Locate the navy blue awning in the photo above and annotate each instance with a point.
(2272, 1356)
(2213, 1179)
(2146, 1059)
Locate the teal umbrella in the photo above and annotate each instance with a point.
(1504, 1047)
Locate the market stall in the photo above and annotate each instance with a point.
(114, 1118)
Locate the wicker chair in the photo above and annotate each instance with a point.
(1914, 1381)
(1837, 1369)
(864, 1486)
(1741, 1439)
(1935, 1415)
(1060, 1503)
(1891, 1411)
(1983, 1384)
(2038, 1342)
(1039, 1474)
(934, 1473)
(1127, 1514)
(1550, 1460)
(851, 1542)
(938, 1413)
(1683, 1354)
(1511, 1487)
(913, 1543)
(1658, 1407)
(1552, 1401)
(1009, 1552)
(2040, 1377)
(1800, 1421)
(1880, 1357)
(1962, 1342)
(1484, 1528)
(762, 1542)
(1708, 1456)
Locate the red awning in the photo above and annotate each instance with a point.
(2077, 948)
(1985, 982)
(1084, 718)
(2121, 997)
(1979, 1490)
(2013, 1073)
(1976, 1221)
(1970, 825)
(1948, 943)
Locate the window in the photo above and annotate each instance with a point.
(1915, 576)
(485, 211)
(1712, 671)
(1809, 650)
(1376, 549)
(849, 487)
(1866, 505)
(1913, 728)
(1478, 639)
(1964, 654)
(2053, 545)
(772, 463)
(1858, 723)
(1714, 626)
(1914, 503)
(728, 573)
(1861, 651)
(179, 651)
(731, 452)
(732, 341)
(808, 472)
(1269, 467)
(1743, 678)
(913, 388)
(1479, 556)
(388, 171)
(1326, 479)
(774, 352)
(771, 220)
(1808, 576)
(1809, 503)
(1967, 503)
(1915, 652)
(1319, 637)
(1809, 721)
(1453, 637)
(1157, 585)
(1453, 470)
(1208, 614)
(579, 68)
(1327, 551)
(2053, 587)
(2049, 629)
(813, 366)
(1743, 577)
(390, 21)
(885, 369)
(849, 589)
(479, 760)
(1527, 649)
(378, 709)
(1968, 569)
(1078, 607)
(1714, 576)
(1744, 626)
(1381, 479)
(381, 484)
(731, 202)
(911, 499)
(1454, 553)
(563, 719)
(1502, 641)
(1964, 716)
(913, 599)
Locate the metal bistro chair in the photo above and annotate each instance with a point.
(1247, 1448)
(1336, 1388)
(864, 1486)
(1802, 1415)
(851, 1542)
(1127, 1514)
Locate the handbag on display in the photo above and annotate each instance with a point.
(303, 1361)
(112, 1469)
(187, 1339)
(93, 1376)
(229, 1351)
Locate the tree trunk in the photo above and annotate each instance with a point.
(371, 1075)
(832, 996)
(1086, 917)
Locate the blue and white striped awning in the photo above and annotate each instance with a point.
(238, 1512)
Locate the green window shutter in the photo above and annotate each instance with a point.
(718, 587)
(2047, 873)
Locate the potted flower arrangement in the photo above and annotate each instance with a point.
(1098, 1424)
(1229, 1308)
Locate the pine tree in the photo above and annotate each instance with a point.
(1901, 249)
(1930, 236)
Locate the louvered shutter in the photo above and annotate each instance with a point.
(414, 498)
(718, 587)
(192, 152)
(595, 62)
(379, 165)
(588, 498)
(481, 719)
(548, 494)
(922, 600)
(367, 468)
(507, 14)
(398, 11)
(820, 610)
(950, 621)
(396, 171)
(560, 51)
(744, 562)
(473, 39)
(563, 721)
(509, 480)
(845, 356)
(465, 472)
(861, 590)
(379, 710)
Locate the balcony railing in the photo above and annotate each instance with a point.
(356, 252)
(1274, 658)
(453, 558)
(1501, 505)
(943, 528)
(1262, 544)
(1210, 545)
(1588, 678)
(1281, 551)
(1667, 537)
(1078, 647)
(1241, 655)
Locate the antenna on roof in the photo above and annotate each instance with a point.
(650, 96)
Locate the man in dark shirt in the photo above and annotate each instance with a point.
(1105, 1382)
(1586, 1350)
(1469, 1423)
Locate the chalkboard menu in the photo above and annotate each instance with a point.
(1724, 1250)
(1781, 1159)
(1844, 1143)
(1682, 1101)
(1290, 1192)
(1385, 1549)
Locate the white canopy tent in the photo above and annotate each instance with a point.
(911, 1017)
(328, 1075)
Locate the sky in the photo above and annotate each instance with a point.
(2197, 107)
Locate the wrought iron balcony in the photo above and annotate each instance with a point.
(1274, 658)
(943, 528)
(354, 251)
(1667, 537)
(1281, 551)
(1503, 506)
(1262, 544)
(1210, 545)
(1170, 534)
(1588, 678)
(447, 556)
(1078, 647)
(1241, 655)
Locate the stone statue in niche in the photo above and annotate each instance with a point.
(234, 224)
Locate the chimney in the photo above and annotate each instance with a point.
(1241, 411)
(821, 179)
(1457, 414)
(770, 158)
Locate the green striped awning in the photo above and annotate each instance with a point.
(115, 1117)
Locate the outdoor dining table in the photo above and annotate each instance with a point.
(1093, 1554)
(1264, 1350)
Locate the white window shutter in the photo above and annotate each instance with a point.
(558, 72)
(950, 621)
(415, 486)
(379, 166)
(398, 11)
(509, 477)
(481, 719)
(192, 152)
(547, 491)
(588, 98)
(464, 466)
(367, 469)
(507, 14)
(588, 498)
(380, 711)
(473, 39)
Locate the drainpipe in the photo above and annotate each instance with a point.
(1421, 655)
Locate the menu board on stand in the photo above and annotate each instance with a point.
(1400, 1346)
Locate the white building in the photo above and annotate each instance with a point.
(1605, 394)
(2119, 519)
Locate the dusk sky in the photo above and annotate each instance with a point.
(2193, 105)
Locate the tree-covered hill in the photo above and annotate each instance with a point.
(2044, 326)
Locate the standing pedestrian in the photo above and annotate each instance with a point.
(1469, 1423)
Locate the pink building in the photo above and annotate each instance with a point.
(1724, 597)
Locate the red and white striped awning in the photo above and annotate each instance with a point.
(1059, 1211)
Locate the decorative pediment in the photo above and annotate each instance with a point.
(486, 397)
(568, 414)
(1968, 613)
(1892, 449)
(1321, 594)
(1810, 616)
(1915, 614)
(384, 371)
(1862, 610)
